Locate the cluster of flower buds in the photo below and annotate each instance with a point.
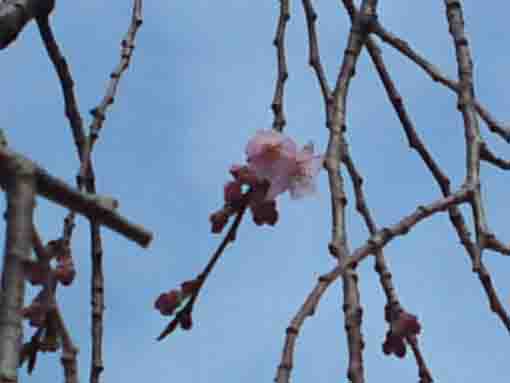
(263, 210)
(274, 165)
(168, 302)
(42, 311)
(41, 272)
(403, 326)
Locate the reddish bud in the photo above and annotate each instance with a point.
(394, 345)
(405, 325)
(244, 175)
(186, 321)
(35, 272)
(218, 221)
(65, 271)
(264, 212)
(190, 287)
(168, 302)
(232, 191)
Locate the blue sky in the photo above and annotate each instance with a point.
(200, 84)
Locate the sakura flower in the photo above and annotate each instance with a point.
(308, 165)
(271, 155)
(274, 157)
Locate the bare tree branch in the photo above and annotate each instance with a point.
(435, 74)
(279, 42)
(21, 191)
(15, 14)
(93, 207)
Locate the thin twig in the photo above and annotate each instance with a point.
(66, 82)
(202, 277)
(314, 55)
(423, 371)
(442, 180)
(279, 42)
(86, 172)
(403, 47)
(69, 350)
(376, 242)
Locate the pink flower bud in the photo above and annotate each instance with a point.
(218, 221)
(232, 191)
(168, 302)
(186, 321)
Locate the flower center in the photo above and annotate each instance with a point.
(272, 152)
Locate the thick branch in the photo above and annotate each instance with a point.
(21, 191)
(15, 14)
(92, 207)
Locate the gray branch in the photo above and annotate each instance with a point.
(21, 190)
(99, 209)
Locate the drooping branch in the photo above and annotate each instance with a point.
(282, 75)
(376, 242)
(442, 180)
(314, 58)
(202, 277)
(337, 146)
(335, 117)
(435, 74)
(66, 82)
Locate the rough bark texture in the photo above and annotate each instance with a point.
(21, 189)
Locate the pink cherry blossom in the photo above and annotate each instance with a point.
(274, 157)
(308, 165)
(271, 155)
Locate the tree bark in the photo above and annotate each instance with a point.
(21, 190)
(15, 14)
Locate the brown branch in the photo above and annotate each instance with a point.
(471, 128)
(423, 371)
(99, 112)
(202, 277)
(97, 302)
(15, 14)
(436, 75)
(335, 116)
(442, 180)
(69, 350)
(21, 191)
(66, 82)
(488, 156)
(376, 242)
(336, 112)
(314, 54)
(279, 42)
(86, 173)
